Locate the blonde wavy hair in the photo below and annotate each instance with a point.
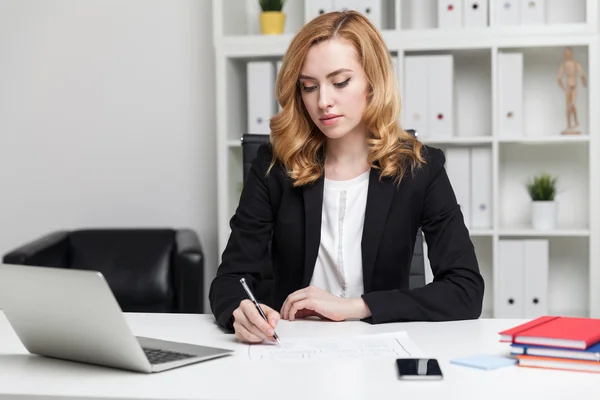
(297, 142)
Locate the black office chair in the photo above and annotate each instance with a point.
(148, 270)
(250, 145)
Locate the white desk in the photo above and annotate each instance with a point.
(235, 377)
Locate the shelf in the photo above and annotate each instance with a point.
(565, 270)
(458, 140)
(487, 313)
(483, 38)
(569, 274)
(543, 101)
(255, 45)
(236, 18)
(481, 232)
(476, 109)
(242, 17)
(233, 143)
(518, 163)
(482, 140)
(546, 139)
(447, 95)
(570, 313)
(420, 15)
(528, 232)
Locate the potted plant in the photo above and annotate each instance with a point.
(272, 19)
(542, 190)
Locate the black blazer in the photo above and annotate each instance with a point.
(271, 210)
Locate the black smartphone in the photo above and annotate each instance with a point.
(418, 368)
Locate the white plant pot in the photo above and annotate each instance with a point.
(543, 215)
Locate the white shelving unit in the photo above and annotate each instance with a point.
(411, 29)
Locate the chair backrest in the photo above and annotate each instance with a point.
(250, 145)
(135, 262)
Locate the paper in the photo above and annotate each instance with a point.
(389, 345)
(484, 361)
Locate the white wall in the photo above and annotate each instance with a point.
(107, 117)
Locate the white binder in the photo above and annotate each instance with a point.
(441, 96)
(414, 98)
(533, 12)
(278, 68)
(510, 89)
(396, 67)
(508, 280)
(536, 265)
(481, 187)
(450, 14)
(507, 12)
(261, 95)
(314, 8)
(369, 8)
(475, 13)
(458, 168)
(419, 14)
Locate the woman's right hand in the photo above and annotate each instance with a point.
(250, 327)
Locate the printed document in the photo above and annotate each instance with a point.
(388, 345)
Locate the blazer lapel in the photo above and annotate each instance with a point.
(379, 199)
(313, 209)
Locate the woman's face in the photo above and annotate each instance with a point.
(334, 88)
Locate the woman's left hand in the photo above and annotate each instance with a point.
(312, 301)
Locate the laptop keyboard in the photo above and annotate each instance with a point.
(158, 356)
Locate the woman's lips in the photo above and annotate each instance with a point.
(330, 120)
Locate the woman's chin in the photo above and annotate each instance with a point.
(334, 133)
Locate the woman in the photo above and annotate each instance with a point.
(335, 201)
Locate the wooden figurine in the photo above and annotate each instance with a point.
(570, 69)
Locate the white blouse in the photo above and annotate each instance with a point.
(338, 269)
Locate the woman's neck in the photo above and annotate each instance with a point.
(346, 157)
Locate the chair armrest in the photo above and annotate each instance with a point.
(189, 272)
(49, 251)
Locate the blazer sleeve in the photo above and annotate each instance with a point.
(247, 249)
(456, 292)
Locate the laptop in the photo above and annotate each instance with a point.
(73, 315)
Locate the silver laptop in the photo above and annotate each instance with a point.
(73, 315)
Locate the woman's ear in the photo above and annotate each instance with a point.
(370, 92)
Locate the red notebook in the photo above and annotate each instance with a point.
(558, 363)
(567, 332)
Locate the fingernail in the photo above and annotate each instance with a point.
(270, 332)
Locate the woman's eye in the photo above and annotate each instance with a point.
(342, 84)
(314, 87)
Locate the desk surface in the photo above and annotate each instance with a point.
(235, 377)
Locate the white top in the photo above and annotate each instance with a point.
(234, 377)
(338, 269)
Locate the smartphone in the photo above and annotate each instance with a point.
(418, 368)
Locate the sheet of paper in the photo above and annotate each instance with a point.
(389, 345)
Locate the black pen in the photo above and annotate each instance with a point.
(247, 289)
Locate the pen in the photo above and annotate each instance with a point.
(247, 289)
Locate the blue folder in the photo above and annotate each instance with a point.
(484, 361)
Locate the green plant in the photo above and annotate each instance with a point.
(542, 188)
(271, 5)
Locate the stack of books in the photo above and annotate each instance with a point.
(556, 342)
